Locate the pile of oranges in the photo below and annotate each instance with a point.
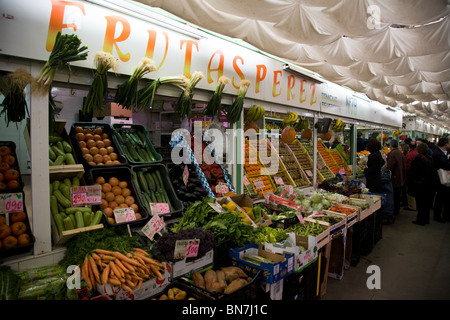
(116, 194)
(9, 176)
(96, 146)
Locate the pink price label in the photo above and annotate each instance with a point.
(341, 171)
(246, 182)
(279, 181)
(309, 173)
(13, 202)
(79, 199)
(159, 208)
(222, 188)
(83, 195)
(192, 249)
(124, 215)
(153, 226)
(259, 184)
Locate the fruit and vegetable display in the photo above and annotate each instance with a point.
(94, 144)
(338, 125)
(59, 150)
(134, 144)
(347, 210)
(153, 187)
(15, 231)
(178, 291)
(10, 177)
(191, 191)
(346, 188)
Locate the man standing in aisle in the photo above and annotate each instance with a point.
(441, 209)
(396, 163)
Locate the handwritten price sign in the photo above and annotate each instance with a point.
(83, 195)
(159, 208)
(186, 248)
(13, 202)
(124, 215)
(153, 226)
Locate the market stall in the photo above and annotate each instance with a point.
(162, 192)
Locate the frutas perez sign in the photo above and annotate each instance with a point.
(32, 25)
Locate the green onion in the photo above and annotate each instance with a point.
(66, 49)
(99, 89)
(14, 104)
(214, 106)
(184, 103)
(234, 113)
(147, 94)
(127, 92)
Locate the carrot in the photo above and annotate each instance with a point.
(122, 257)
(94, 268)
(138, 258)
(141, 251)
(115, 269)
(106, 257)
(128, 266)
(139, 284)
(101, 251)
(91, 274)
(152, 261)
(156, 271)
(86, 277)
(95, 256)
(105, 274)
(127, 288)
(121, 266)
(115, 281)
(130, 283)
(84, 271)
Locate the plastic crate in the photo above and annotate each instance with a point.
(123, 174)
(133, 128)
(80, 158)
(176, 203)
(192, 293)
(13, 165)
(284, 223)
(18, 249)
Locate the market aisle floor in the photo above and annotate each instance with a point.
(414, 262)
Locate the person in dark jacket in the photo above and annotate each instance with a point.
(396, 163)
(441, 209)
(374, 163)
(420, 183)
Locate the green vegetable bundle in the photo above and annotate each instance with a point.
(197, 214)
(99, 89)
(67, 49)
(127, 92)
(134, 145)
(14, 104)
(234, 113)
(214, 106)
(184, 103)
(268, 234)
(307, 229)
(228, 228)
(9, 284)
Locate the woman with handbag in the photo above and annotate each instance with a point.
(420, 184)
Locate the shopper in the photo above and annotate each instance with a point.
(374, 163)
(412, 153)
(441, 208)
(396, 163)
(420, 184)
(360, 142)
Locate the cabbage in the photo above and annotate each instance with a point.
(316, 198)
(325, 204)
(306, 203)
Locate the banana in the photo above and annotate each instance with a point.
(251, 113)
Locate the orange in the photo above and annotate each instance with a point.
(23, 239)
(98, 131)
(113, 205)
(9, 242)
(100, 144)
(106, 187)
(108, 211)
(126, 192)
(109, 149)
(109, 196)
(80, 136)
(123, 184)
(2, 219)
(119, 199)
(114, 181)
(102, 151)
(5, 231)
(94, 151)
(90, 143)
(113, 156)
(12, 184)
(98, 158)
(104, 204)
(88, 136)
(17, 217)
(116, 190)
(129, 200)
(134, 206)
(17, 228)
(100, 180)
(11, 174)
(97, 137)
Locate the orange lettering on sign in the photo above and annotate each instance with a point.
(110, 41)
(188, 56)
(151, 45)
(261, 71)
(291, 84)
(219, 69)
(302, 91)
(313, 94)
(238, 71)
(56, 21)
(276, 83)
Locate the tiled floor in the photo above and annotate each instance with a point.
(414, 264)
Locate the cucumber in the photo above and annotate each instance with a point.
(66, 146)
(72, 210)
(75, 181)
(54, 138)
(51, 154)
(68, 224)
(53, 205)
(65, 189)
(87, 218)
(151, 183)
(79, 219)
(55, 185)
(74, 220)
(59, 221)
(69, 158)
(62, 200)
(59, 160)
(58, 151)
(68, 182)
(142, 181)
(97, 218)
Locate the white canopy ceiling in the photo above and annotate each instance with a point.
(396, 52)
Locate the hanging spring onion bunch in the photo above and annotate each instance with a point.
(235, 111)
(147, 94)
(214, 106)
(99, 89)
(127, 92)
(67, 49)
(14, 104)
(184, 103)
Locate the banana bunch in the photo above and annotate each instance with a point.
(396, 132)
(338, 125)
(254, 113)
(291, 120)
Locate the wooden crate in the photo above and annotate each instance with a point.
(63, 237)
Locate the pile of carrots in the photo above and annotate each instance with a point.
(341, 209)
(128, 271)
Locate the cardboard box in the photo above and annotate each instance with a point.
(113, 109)
(282, 266)
(181, 268)
(149, 288)
(302, 258)
(321, 239)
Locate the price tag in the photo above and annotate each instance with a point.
(13, 202)
(222, 188)
(319, 166)
(300, 217)
(259, 184)
(341, 171)
(153, 226)
(159, 208)
(85, 195)
(290, 189)
(246, 182)
(124, 215)
(279, 181)
(186, 248)
(185, 174)
(309, 173)
(217, 207)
